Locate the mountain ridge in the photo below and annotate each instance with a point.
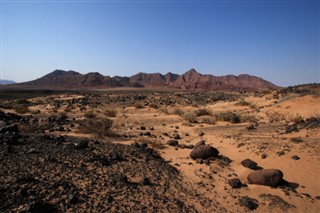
(188, 80)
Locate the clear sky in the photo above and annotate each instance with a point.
(275, 40)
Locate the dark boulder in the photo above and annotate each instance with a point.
(249, 164)
(266, 177)
(204, 152)
(172, 142)
(248, 202)
(235, 183)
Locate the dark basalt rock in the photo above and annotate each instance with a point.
(204, 152)
(248, 202)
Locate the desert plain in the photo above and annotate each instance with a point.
(130, 150)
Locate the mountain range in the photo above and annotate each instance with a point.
(5, 82)
(189, 80)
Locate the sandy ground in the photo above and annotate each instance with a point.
(232, 140)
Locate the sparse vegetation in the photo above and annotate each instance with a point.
(22, 109)
(100, 127)
(138, 106)
(190, 117)
(23, 101)
(90, 114)
(243, 102)
(110, 113)
(228, 116)
(178, 112)
(203, 111)
(154, 106)
(209, 120)
(275, 116)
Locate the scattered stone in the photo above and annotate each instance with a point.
(224, 160)
(176, 136)
(280, 153)
(145, 181)
(240, 145)
(248, 202)
(292, 128)
(266, 177)
(81, 145)
(297, 140)
(249, 164)
(276, 202)
(204, 152)
(172, 142)
(143, 128)
(251, 127)
(235, 183)
(201, 133)
(295, 157)
(263, 156)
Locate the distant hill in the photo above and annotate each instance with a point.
(5, 82)
(189, 80)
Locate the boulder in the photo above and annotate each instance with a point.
(172, 142)
(204, 152)
(266, 177)
(202, 142)
(235, 183)
(248, 202)
(249, 164)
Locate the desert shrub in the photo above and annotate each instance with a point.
(110, 113)
(100, 127)
(228, 116)
(203, 111)
(178, 112)
(243, 102)
(67, 110)
(138, 106)
(249, 118)
(154, 106)
(23, 101)
(190, 117)
(21, 109)
(209, 120)
(90, 114)
(29, 128)
(275, 116)
(297, 118)
(35, 112)
(164, 110)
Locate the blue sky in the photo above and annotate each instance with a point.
(275, 40)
